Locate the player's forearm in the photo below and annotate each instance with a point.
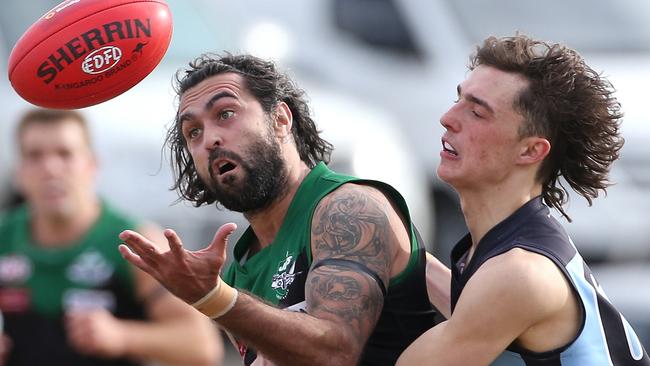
(454, 344)
(290, 338)
(173, 342)
(432, 348)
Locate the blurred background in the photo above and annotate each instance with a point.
(379, 73)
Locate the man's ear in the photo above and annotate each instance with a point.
(283, 120)
(533, 150)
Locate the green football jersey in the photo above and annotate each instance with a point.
(38, 285)
(278, 272)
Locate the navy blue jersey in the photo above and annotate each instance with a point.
(605, 337)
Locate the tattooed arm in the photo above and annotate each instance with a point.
(358, 242)
(355, 223)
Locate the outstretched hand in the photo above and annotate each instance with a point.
(187, 274)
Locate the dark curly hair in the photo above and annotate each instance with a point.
(269, 87)
(566, 102)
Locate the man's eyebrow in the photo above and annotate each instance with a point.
(222, 94)
(216, 97)
(474, 99)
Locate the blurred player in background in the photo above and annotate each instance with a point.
(66, 294)
(528, 114)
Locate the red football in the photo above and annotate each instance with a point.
(85, 52)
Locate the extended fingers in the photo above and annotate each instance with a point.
(139, 251)
(175, 244)
(139, 244)
(133, 258)
(220, 239)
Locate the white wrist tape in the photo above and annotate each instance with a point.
(220, 300)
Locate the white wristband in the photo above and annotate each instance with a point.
(220, 300)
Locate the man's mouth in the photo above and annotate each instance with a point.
(224, 166)
(448, 148)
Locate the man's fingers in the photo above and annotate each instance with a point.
(133, 258)
(175, 244)
(220, 239)
(139, 244)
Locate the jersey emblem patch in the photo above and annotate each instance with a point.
(284, 276)
(90, 269)
(76, 299)
(14, 269)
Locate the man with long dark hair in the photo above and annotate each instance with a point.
(341, 253)
(528, 114)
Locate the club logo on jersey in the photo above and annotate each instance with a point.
(76, 299)
(284, 276)
(14, 269)
(90, 269)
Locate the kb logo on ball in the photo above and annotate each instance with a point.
(101, 60)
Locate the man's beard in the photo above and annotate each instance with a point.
(264, 177)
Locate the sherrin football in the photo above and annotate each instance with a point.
(84, 52)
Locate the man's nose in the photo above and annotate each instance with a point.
(450, 120)
(213, 138)
(51, 164)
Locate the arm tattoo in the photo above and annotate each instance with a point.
(352, 223)
(352, 297)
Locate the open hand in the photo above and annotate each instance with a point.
(187, 274)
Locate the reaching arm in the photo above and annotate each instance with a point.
(509, 295)
(354, 223)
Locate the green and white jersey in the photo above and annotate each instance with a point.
(277, 273)
(38, 285)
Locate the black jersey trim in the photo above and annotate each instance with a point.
(354, 266)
